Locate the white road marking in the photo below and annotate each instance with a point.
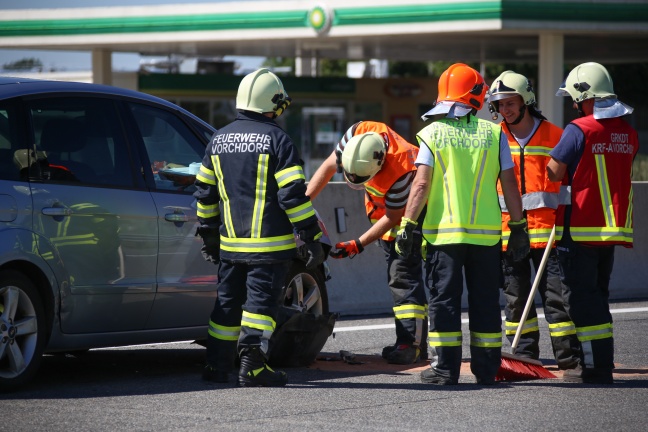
(361, 328)
(465, 321)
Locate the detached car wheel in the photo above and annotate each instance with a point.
(305, 291)
(303, 322)
(22, 330)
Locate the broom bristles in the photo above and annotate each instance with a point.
(515, 368)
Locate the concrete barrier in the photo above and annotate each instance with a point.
(359, 286)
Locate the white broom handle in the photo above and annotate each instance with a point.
(534, 288)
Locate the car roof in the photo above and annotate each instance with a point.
(11, 87)
(14, 86)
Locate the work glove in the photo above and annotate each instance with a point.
(405, 237)
(310, 236)
(519, 245)
(210, 249)
(345, 249)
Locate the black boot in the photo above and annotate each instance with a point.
(211, 374)
(255, 372)
(220, 360)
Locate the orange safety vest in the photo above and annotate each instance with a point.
(539, 195)
(398, 161)
(601, 186)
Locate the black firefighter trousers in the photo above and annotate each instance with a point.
(405, 280)
(517, 287)
(585, 276)
(247, 291)
(444, 268)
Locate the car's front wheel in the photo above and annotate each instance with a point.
(305, 291)
(303, 322)
(22, 329)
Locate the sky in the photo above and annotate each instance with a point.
(82, 60)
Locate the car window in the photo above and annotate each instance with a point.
(14, 161)
(175, 153)
(80, 141)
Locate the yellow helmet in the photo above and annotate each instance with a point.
(363, 157)
(587, 81)
(262, 92)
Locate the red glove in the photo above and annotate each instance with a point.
(345, 249)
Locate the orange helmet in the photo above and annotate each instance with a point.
(461, 83)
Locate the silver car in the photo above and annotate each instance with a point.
(97, 224)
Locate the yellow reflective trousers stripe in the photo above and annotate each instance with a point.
(410, 311)
(529, 326)
(447, 339)
(589, 333)
(565, 328)
(223, 332)
(257, 321)
(486, 340)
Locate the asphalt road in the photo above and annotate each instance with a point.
(158, 388)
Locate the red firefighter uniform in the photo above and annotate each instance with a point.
(599, 217)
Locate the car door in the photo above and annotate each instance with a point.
(15, 197)
(173, 151)
(96, 218)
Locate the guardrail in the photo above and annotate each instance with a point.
(359, 286)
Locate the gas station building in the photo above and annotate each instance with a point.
(552, 34)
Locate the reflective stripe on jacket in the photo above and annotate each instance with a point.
(398, 162)
(251, 185)
(540, 197)
(462, 205)
(601, 187)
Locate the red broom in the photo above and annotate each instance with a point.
(516, 368)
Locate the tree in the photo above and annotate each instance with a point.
(333, 67)
(409, 69)
(280, 65)
(24, 64)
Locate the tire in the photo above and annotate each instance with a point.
(305, 291)
(23, 330)
(303, 320)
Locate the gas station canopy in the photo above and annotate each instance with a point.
(550, 33)
(495, 31)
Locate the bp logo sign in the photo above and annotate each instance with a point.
(320, 18)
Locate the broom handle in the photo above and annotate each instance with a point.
(534, 288)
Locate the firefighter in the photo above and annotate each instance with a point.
(594, 155)
(460, 160)
(251, 199)
(530, 137)
(377, 160)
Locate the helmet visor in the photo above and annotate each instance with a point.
(500, 96)
(562, 89)
(355, 179)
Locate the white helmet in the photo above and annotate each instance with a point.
(509, 84)
(262, 92)
(363, 157)
(587, 81)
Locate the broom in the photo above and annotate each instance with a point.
(516, 368)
